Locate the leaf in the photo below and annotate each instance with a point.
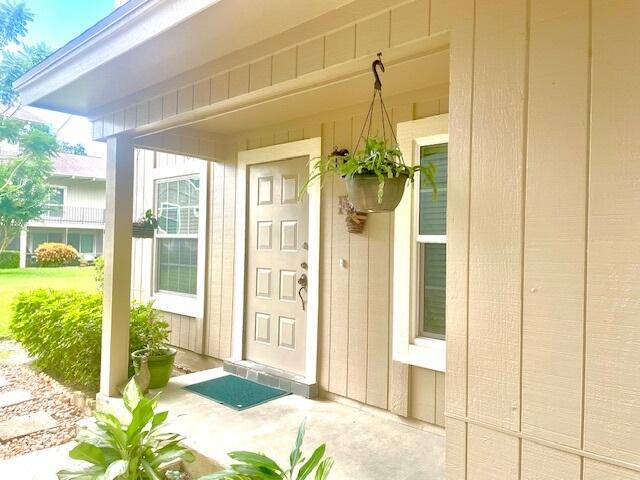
(94, 472)
(308, 467)
(87, 453)
(116, 469)
(294, 457)
(131, 395)
(324, 469)
(257, 460)
(159, 419)
(149, 470)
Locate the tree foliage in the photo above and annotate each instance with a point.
(23, 188)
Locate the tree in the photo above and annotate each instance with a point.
(77, 149)
(23, 187)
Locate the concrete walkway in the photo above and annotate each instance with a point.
(364, 444)
(39, 465)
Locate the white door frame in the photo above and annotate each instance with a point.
(313, 149)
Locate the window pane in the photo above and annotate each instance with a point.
(177, 265)
(433, 213)
(73, 239)
(178, 206)
(434, 295)
(86, 244)
(56, 196)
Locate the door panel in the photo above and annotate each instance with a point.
(277, 235)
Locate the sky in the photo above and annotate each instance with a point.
(55, 23)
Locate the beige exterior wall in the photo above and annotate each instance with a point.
(82, 192)
(543, 332)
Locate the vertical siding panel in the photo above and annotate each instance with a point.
(554, 251)
(456, 450)
(492, 455)
(340, 281)
(398, 397)
(174, 336)
(216, 255)
(379, 226)
(326, 264)
(440, 398)
(458, 205)
(284, 65)
(440, 16)
(185, 326)
(311, 56)
(612, 389)
(422, 394)
(544, 463)
(239, 81)
(594, 470)
(226, 311)
(358, 299)
(496, 213)
(372, 35)
(409, 22)
(340, 46)
(260, 74)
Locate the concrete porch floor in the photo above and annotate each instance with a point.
(365, 444)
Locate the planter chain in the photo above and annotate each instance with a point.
(384, 114)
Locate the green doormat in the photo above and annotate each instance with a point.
(236, 392)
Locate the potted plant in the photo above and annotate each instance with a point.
(159, 356)
(146, 226)
(376, 175)
(354, 219)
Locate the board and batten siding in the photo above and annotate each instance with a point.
(544, 240)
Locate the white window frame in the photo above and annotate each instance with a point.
(408, 346)
(174, 302)
(64, 189)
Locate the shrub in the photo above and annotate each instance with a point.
(98, 273)
(9, 259)
(55, 254)
(62, 329)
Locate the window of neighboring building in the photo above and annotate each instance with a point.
(178, 206)
(432, 240)
(37, 238)
(82, 242)
(55, 202)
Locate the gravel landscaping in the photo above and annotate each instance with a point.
(49, 397)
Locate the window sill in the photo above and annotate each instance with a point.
(188, 306)
(428, 353)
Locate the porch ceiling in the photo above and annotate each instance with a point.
(407, 74)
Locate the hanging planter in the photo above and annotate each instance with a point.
(146, 226)
(354, 219)
(376, 175)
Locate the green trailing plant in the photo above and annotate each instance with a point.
(62, 329)
(150, 219)
(376, 158)
(256, 466)
(133, 451)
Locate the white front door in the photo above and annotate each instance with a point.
(276, 265)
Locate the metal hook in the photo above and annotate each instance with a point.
(377, 63)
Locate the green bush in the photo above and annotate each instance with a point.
(9, 259)
(55, 254)
(62, 329)
(98, 273)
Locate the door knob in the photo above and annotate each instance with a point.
(304, 265)
(302, 281)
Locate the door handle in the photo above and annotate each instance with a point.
(302, 281)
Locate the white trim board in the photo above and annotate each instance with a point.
(408, 347)
(311, 148)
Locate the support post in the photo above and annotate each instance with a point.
(23, 248)
(117, 264)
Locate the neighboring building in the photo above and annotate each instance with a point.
(533, 106)
(75, 209)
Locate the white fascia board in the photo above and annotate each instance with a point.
(127, 27)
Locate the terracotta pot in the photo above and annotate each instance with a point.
(356, 225)
(363, 193)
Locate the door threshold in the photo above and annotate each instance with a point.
(272, 377)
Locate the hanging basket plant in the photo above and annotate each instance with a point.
(146, 226)
(376, 174)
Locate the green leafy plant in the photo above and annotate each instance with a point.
(256, 466)
(55, 254)
(377, 158)
(9, 259)
(62, 330)
(98, 273)
(133, 451)
(150, 219)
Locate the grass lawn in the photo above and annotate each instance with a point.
(14, 281)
